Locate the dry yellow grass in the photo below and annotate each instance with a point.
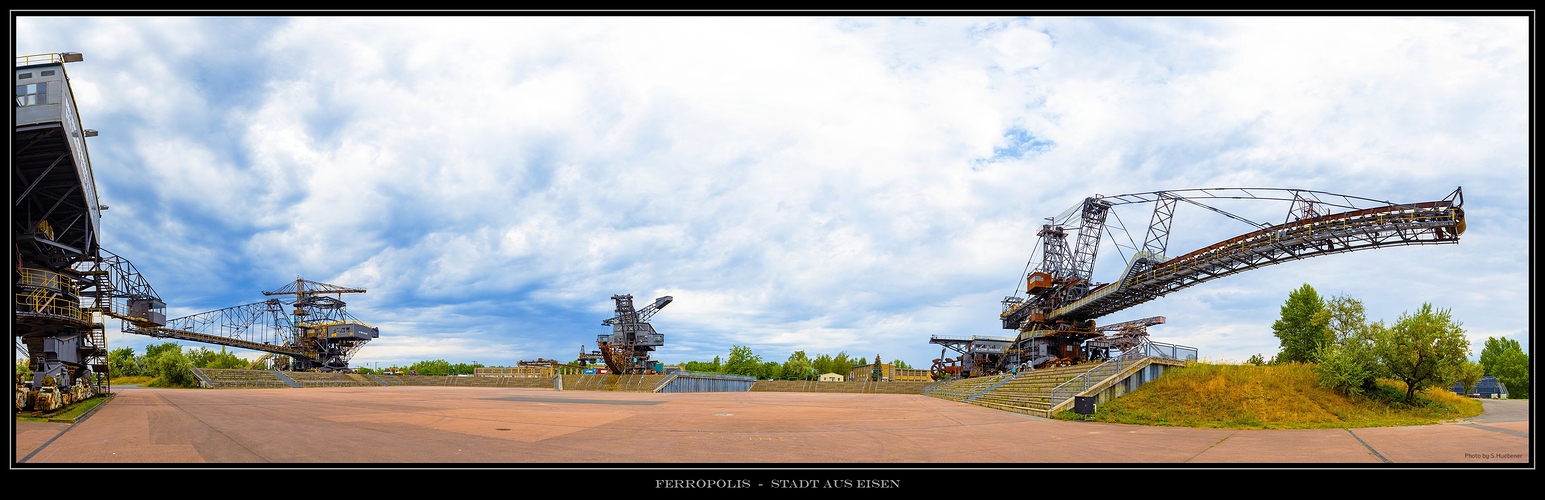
(135, 380)
(1273, 397)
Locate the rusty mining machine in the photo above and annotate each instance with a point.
(63, 282)
(314, 333)
(626, 350)
(65, 285)
(1055, 318)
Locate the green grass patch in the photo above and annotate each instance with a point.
(1274, 397)
(80, 408)
(69, 414)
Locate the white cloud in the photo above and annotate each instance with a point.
(796, 183)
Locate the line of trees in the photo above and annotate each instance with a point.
(799, 366)
(169, 364)
(1505, 359)
(428, 367)
(1423, 349)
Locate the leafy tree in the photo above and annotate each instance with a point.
(770, 370)
(1256, 360)
(901, 365)
(205, 358)
(156, 350)
(1471, 374)
(23, 368)
(742, 361)
(840, 364)
(798, 367)
(1505, 359)
(1345, 318)
(121, 362)
(703, 366)
(435, 367)
(1302, 327)
(364, 370)
(822, 364)
(1349, 366)
(1423, 349)
(1346, 361)
(464, 368)
(715, 366)
(170, 367)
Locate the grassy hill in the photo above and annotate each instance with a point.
(1274, 397)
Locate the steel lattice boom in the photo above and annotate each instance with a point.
(1057, 313)
(316, 332)
(259, 326)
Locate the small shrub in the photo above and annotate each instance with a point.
(1348, 368)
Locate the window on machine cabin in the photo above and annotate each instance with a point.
(32, 94)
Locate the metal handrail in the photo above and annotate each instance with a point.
(1143, 350)
(29, 60)
(1000, 383)
(57, 306)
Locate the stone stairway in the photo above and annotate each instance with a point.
(1030, 392)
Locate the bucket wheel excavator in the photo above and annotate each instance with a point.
(1055, 317)
(626, 350)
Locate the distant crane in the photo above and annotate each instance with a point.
(316, 332)
(626, 350)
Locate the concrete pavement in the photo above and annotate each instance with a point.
(474, 425)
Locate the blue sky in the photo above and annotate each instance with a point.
(796, 183)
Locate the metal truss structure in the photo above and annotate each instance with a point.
(626, 350)
(317, 334)
(978, 355)
(1125, 335)
(1055, 317)
(65, 286)
(55, 232)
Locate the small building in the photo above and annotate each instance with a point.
(1486, 388)
(515, 372)
(889, 373)
(830, 377)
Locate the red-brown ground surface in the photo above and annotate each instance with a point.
(470, 425)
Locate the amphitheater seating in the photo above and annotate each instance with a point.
(320, 379)
(386, 379)
(960, 389)
(1030, 392)
(242, 379)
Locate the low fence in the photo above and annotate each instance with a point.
(859, 387)
(596, 382)
(701, 382)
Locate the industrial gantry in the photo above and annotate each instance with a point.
(66, 285)
(63, 282)
(315, 333)
(1055, 316)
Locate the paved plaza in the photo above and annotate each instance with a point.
(471, 425)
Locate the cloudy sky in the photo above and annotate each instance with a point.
(796, 183)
